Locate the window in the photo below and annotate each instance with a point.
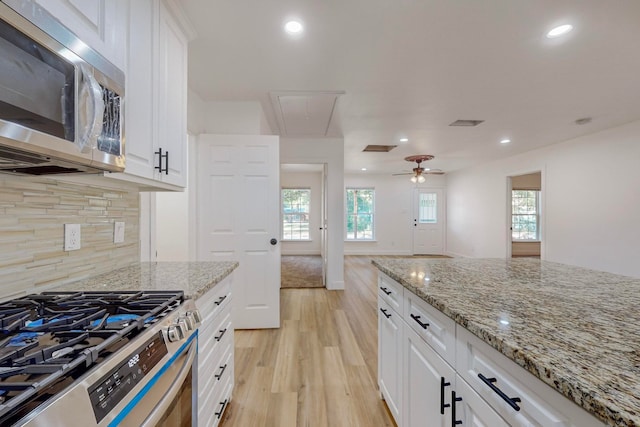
(295, 213)
(525, 215)
(428, 209)
(360, 204)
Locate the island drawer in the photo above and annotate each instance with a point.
(214, 301)
(391, 292)
(437, 329)
(218, 392)
(517, 395)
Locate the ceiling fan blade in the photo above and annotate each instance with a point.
(434, 172)
(406, 173)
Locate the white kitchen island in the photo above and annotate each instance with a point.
(521, 341)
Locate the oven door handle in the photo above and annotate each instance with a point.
(160, 409)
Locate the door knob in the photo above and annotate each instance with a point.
(273, 241)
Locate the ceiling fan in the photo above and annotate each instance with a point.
(419, 172)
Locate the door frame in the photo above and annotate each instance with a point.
(542, 172)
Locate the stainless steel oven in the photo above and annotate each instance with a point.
(123, 359)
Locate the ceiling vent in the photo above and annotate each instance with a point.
(462, 122)
(304, 113)
(379, 148)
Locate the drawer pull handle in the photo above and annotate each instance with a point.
(222, 369)
(387, 315)
(224, 405)
(512, 401)
(219, 337)
(222, 298)
(417, 319)
(385, 290)
(454, 399)
(443, 405)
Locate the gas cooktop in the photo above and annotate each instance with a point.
(49, 340)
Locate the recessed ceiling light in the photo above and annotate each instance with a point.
(505, 141)
(293, 27)
(363, 169)
(404, 139)
(559, 31)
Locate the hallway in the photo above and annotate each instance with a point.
(318, 369)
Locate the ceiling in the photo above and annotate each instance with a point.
(409, 68)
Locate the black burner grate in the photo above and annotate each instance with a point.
(49, 338)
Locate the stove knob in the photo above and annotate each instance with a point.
(192, 318)
(196, 315)
(183, 324)
(175, 333)
(187, 321)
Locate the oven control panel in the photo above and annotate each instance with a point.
(109, 390)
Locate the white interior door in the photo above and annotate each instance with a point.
(428, 222)
(238, 219)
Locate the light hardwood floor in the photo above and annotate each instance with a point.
(320, 368)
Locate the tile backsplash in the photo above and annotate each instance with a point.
(33, 211)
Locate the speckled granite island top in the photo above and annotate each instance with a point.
(578, 330)
(194, 278)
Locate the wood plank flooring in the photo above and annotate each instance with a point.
(320, 368)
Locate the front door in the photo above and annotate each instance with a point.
(239, 220)
(428, 222)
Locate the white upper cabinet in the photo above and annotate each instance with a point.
(172, 94)
(140, 95)
(156, 94)
(102, 24)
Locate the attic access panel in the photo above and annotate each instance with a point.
(304, 113)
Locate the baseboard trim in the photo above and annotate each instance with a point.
(293, 253)
(376, 253)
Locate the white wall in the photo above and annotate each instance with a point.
(331, 152)
(590, 202)
(235, 118)
(312, 181)
(172, 226)
(196, 108)
(393, 216)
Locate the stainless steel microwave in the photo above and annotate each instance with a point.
(61, 103)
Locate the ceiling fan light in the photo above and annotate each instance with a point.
(414, 179)
(421, 179)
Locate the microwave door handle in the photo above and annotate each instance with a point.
(92, 90)
(160, 409)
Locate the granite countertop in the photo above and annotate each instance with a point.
(194, 278)
(576, 329)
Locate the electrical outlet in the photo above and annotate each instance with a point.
(118, 232)
(71, 237)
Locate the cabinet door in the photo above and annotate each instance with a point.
(389, 358)
(102, 24)
(141, 98)
(172, 98)
(428, 381)
(472, 410)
